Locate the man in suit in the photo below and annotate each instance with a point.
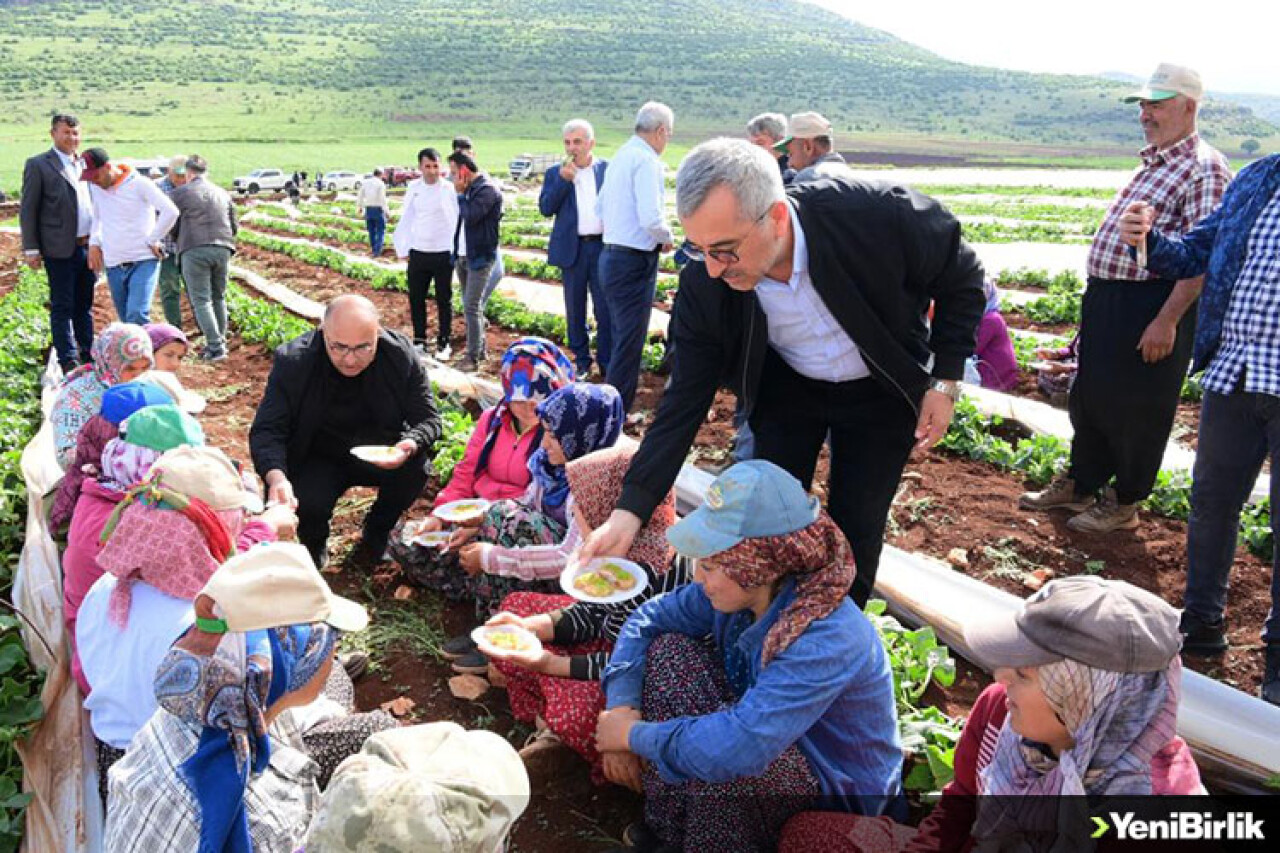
(56, 218)
(569, 194)
(811, 304)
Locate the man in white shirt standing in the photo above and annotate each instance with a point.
(632, 205)
(425, 236)
(373, 199)
(131, 216)
(569, 194)
(56, 216)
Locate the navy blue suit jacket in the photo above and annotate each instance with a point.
(559, 200)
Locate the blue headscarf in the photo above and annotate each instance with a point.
(120, 401)
(531, 369)
(584, 418)
(227, 693)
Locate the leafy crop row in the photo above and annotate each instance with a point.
(24, 329)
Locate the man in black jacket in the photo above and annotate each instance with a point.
(348, 383)
(475, 246)
(811, 304)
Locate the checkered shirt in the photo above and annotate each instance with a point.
(1251, 330)
(150, 808)
(1184, 183)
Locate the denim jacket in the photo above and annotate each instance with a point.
(830, 692)
(1217, 248)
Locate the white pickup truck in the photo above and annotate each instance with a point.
(525, 166)
(262, 179)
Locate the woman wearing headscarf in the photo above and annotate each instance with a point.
(119, 402)
(121, 353)
(219, 766)
(558, 688)
(495, 464)
(169, 345)
(126, 461)
(790, 704)
(162, 543)
(993, 358)
(1085, 704)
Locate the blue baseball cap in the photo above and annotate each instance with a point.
(751, 500)
(121, 401)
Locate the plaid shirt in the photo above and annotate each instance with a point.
(1251, 329)
(1183, 182)
(150, 807)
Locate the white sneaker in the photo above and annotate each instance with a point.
(444, 353)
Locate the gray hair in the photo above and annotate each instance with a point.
(197, 164)
(578, 124)
(772, 125)
(654, 115)
(749, 172)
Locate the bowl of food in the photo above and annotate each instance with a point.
(376, 453)
(461, 512)
(604, 580)
(504, 640)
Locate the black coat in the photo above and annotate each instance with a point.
(49, 211)
(298, 391)
(879, 253)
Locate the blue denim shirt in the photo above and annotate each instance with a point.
(830, 692)
(1217, 248)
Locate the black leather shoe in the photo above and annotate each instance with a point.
(1271, 675)
(1201, 639)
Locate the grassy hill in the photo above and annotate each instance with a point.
(323, 77)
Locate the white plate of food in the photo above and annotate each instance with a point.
(419, 533)
(604, 580)
(460, 512)
(376, 453)
(501, 640)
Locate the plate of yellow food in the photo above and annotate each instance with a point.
(604, 580)
(376, 452)
(419, 532)
(503, 640)
(460, 512)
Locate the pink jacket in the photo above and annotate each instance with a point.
(997, 363)
(505, 476)
(80, 568)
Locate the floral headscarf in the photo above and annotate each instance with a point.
(224, 684)
(531, 369)
(595, 480)
(124, 465)
(584, 418)
(820, 558)
(80, 398)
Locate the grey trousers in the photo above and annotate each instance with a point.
(204, 269)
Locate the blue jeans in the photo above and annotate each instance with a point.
(579, 280)
(1237, 431)
(71, 306)
(375, 220)
(132, 287)
(628, 278)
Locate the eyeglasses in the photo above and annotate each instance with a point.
(725, 257)
(342, 350)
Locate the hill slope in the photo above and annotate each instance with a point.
(302, 69)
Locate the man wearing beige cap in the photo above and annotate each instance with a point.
(1136, 328)
(808, 144)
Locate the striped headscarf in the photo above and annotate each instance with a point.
(820, 558)
(532, 368)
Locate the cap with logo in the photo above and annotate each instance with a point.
(1106, 624)
(750, 500)
(95, 160)
(804, 126)
(1168, 81)
(273, 585)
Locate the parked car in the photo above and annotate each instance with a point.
(341, 181)
(526, 166)
(394, 176)
(262, 179)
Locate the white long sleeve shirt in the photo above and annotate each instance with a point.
(129, 218)
(632, 198)
(428, 219)
(373, 193)
(72, 166)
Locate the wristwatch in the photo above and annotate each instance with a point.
(949, 387)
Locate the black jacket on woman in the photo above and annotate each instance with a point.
(879, 254)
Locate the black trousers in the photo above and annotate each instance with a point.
(871, 431)
(425, 267)
(1121, 407)
(320, 481)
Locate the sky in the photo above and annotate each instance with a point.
(1091, 36)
